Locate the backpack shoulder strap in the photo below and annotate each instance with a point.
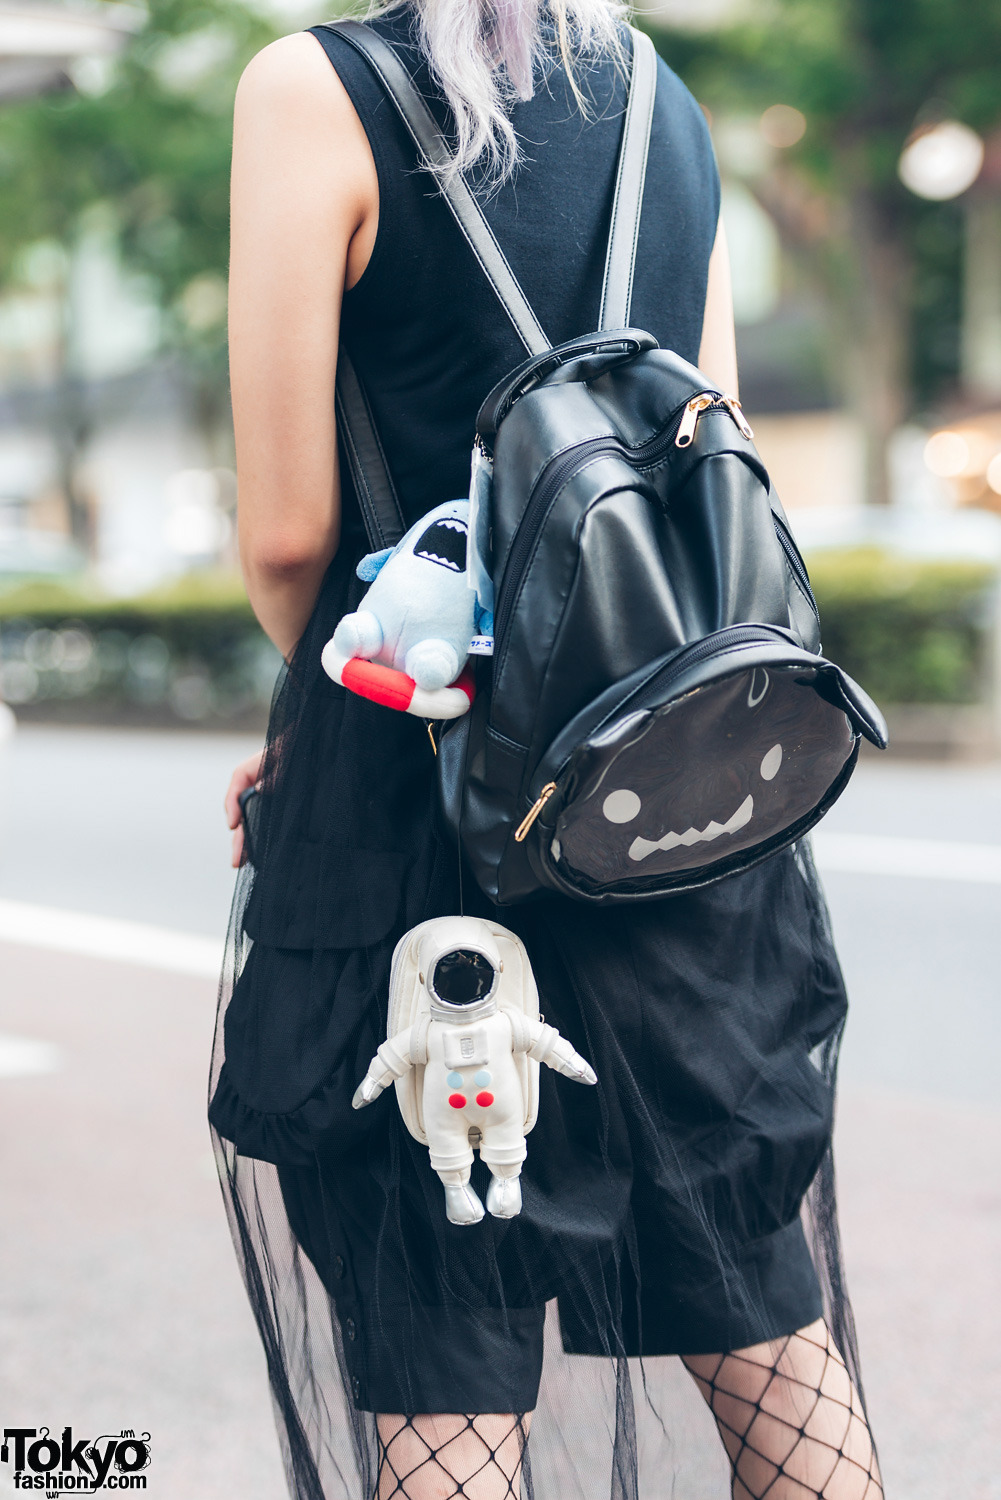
(366, 461)
(627, 201)
(434, 149)
(373, 484)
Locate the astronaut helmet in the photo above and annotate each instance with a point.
(460, 963)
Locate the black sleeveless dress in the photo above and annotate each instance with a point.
(662, 1210)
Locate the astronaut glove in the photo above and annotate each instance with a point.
(389, 1063)
(372, 1085)
(556, 1052)
(565, 1060)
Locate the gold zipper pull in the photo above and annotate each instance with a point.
(737, 413)
(690, 419)
(521, 832)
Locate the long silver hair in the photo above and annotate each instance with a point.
(485, 54)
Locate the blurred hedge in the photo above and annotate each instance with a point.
(909, 630)
(191, 652)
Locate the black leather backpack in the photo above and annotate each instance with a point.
(657, 713)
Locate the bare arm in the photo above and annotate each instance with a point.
(718, 353)
(304, 216)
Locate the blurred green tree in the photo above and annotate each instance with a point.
(865, 73)
(146, 139)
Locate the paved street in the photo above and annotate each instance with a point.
(119, 1301)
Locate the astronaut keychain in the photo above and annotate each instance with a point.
(465, 1041)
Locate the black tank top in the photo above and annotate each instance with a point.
(425, 331)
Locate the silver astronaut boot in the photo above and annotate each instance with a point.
(462, 1205)
(504, 1196)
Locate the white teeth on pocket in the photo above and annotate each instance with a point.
(443, 562)
(453, 523)
(640, 848)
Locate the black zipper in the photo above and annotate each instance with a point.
(551, 481)
(796, 563)
(688, 656)
(548, 486)
(720, 640)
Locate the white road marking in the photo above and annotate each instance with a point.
(22, 1057)
(922, 859)
(109, 937)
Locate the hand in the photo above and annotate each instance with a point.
(392, 1061)
(247, 774)
(567, 1061)
(371, 1086)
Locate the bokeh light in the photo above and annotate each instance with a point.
(782, 125)
(943, 161)
(947, 454)
(195, 526)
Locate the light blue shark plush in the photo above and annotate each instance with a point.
(420, 613)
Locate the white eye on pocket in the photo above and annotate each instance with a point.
(621, 806)
(770, 763)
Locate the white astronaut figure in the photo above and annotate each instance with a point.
(465, 1043)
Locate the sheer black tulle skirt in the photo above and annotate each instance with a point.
(683, 1207)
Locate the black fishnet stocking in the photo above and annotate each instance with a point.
(441, 1456)
(790, 1419)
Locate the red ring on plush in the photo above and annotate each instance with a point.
(385, 685)
(484, 1099)
(457, 1101)
(395, 689)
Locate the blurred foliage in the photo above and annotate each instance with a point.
(151, 140)
(860, 70)
(865, 73)
(936, 302)
(140, 151)
(190, 652)
(208, 594)
(909, 630)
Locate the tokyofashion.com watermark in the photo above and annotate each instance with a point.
(58, 1466)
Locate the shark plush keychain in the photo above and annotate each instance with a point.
(465, 1040)
(407, 644)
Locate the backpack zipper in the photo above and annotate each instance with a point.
(721, 640)
(707, 401)
(796, 563)
(522, 831)
(531, 522)
(546, 491)
(679, 431)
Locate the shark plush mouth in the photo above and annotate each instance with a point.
(444, 543)
(640, 848)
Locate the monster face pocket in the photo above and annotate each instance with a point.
(703, 784)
